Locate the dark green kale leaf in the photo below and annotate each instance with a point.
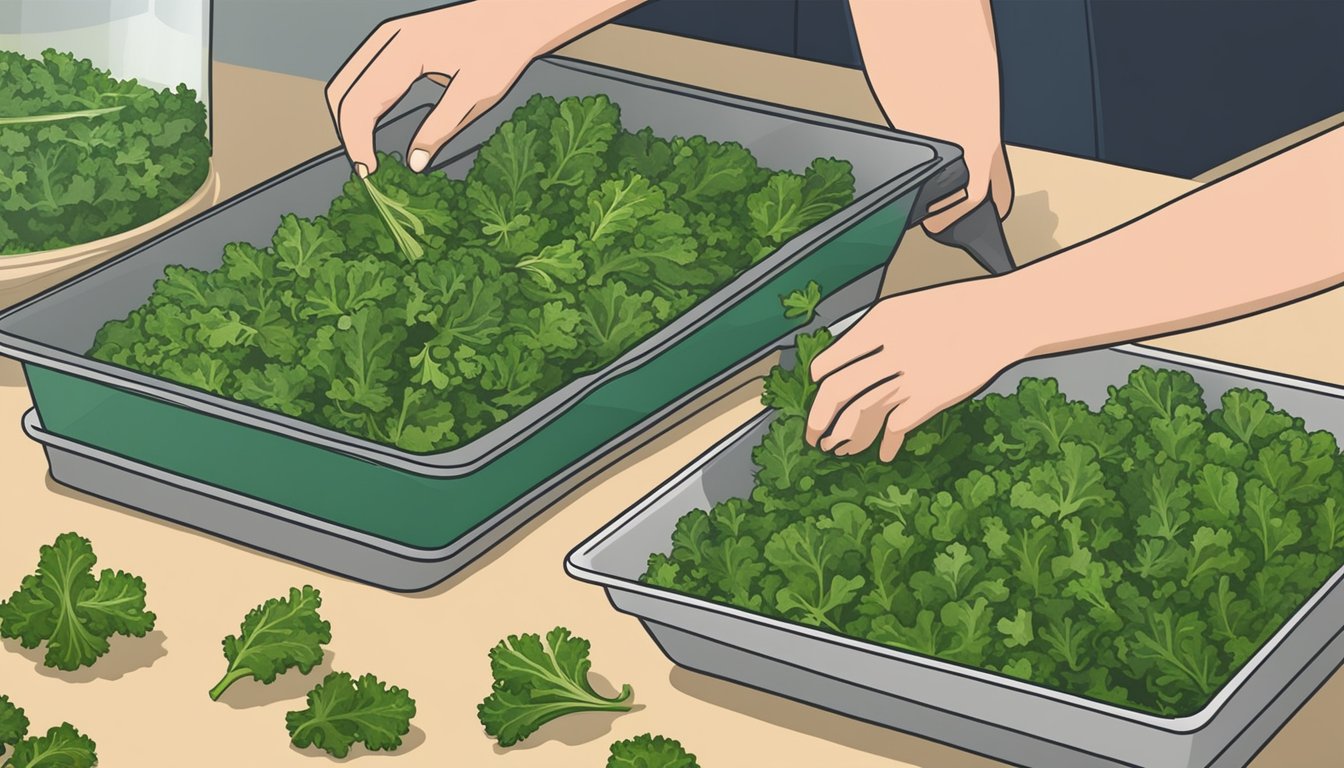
(537, 681)
(650, 751)
(278, 635)
(65, 606)
(344, 711)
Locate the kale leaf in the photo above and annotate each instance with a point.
(64, 605)
(343, 711)
(276, 636)
(650, 751)
(61, 747)
(537, 681)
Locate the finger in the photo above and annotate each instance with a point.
(860, 423)
(903, 419)
(459, 105)
(948, 216)
(943, 202)
(849, 348)
(373, 93)
(354, 66)
(839, 389)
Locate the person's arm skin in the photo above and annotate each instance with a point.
(1255, 240)
(933, 68)
(483, 46)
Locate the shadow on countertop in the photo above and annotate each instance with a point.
(125, 655)
(821, 724)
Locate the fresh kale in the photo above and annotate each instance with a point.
(343, 711)
(84, 155)
(422, 311)
(64, 605)
(802, 304)
(61, 747)
(278, 635)
(13, 724)
(537, 681)
(649, 751)
(1138, 554)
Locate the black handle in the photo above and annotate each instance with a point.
(980, 233)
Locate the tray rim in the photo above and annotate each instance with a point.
(578, 564)
(474, 455)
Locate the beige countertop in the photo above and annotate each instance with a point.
(146, 705)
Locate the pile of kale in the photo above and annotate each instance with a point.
(1138, 555)
(84, 155)
(422, 311)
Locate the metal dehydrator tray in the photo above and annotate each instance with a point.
(990, 714)
(408, 521)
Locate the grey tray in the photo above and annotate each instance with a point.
(55, 328)
(983, 712)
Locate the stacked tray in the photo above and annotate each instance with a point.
(980, 711)
(407, 521)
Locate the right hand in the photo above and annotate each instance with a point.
(479, 47)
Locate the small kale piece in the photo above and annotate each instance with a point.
(13, 724)
(343, 711)
(802, 303)
(650, 751)
(537, 682)
(64, 605)
(278, 635)
(62, 747)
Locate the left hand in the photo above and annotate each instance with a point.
(908, 358)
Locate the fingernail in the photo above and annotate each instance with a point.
(361, 170)
(418, 160)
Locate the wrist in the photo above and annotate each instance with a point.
(1011, 308)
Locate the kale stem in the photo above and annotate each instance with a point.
(397, 218)
(59, 116)
(229, 679)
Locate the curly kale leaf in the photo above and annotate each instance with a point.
(61, 747)
(344, 711)
(278, 635)
(13, 724)
(74, 612)
(650, 751)
(537, 681)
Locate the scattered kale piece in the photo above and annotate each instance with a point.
(64, 605)
(278, 635)
(536, 682)
(343, 711)
(13, 724)
(649, 751)
(422, 311)
(84, 155)
(1138, 554)
(61, 747)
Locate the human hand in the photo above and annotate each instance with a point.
(906, 359)
(481, 47)
(988, 175)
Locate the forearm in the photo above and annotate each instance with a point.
(556, 22)
(1258, 239)
(931, 64)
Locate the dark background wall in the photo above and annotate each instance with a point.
(1176, 86)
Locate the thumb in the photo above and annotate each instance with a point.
(459, 106)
